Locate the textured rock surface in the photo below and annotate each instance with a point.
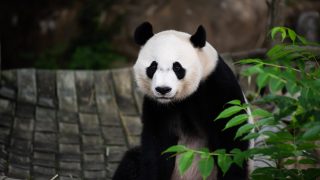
(66, 123)
(74, 124)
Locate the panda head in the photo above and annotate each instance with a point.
(171, 64)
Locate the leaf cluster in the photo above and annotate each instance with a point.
(289, 132)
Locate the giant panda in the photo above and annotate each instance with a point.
(186, 85)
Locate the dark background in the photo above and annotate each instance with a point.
(97, 34)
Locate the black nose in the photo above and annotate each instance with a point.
(163, 90)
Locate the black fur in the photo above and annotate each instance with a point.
(178, 70)
(198, 39)
(130, 166)
(151, 69)
(143, 33)
(193, 117)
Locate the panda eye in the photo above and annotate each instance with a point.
(178, 70)
(151, 69)
(176, 66)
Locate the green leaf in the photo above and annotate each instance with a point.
(185, 161)
(238, 156)
(307, 161)
(235, 102)
(292, 87)
(274, 31)
(303, 40)
(253, 70)
(278, 29)
(312, 133)
(275, 85)
(275, 50)
(292, 35)
(290, 161)
(205, 165)
(249, 61)
(229, 112)
(265, 121)
(175, 149)
(262, 80)
(251, 136)
(224, 162)
(236, 121)
(244, 129)
(261, 113)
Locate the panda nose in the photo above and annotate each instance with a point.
(163, 89)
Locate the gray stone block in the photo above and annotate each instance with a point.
(9, 77)
(43, 126)
(93, 166)
(69, 149)
(70, 157)
(66, 91)
(25, 110)
(69, 174)
(132, 125)
(89, 123)
(44, 159)
(27, 87)
(85, 91)
(6, 121)
(7, 92)
(116, 153)
(44, 156)
(6, 107)
(69, 139)
(44, 170)
(70, 165)
(124, 92)
(45, 147)
(133, 141)
(68, 128)
(113, 135)
(45, 114)
(19, 159)
(22, 134)
(92, 158)
(95, 174)
(88, 140)
(69, 117)
(111, 168)
(24, 124)
(4, 135)
(46, 86)
(44, 163)
(110, 119)
(18, 172)
(50, 138)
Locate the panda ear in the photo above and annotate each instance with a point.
(143, 33)
(198, 39)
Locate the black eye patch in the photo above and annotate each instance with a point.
(178, 70)
(151, 69)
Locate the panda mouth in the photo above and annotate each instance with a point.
(164, 98)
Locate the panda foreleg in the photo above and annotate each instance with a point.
(129, 167)
(154, 165)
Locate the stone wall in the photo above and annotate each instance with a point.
(76, 124)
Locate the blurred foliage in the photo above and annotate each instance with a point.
(91, 49)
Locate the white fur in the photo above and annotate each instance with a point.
(166, 48)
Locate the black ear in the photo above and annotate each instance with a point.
(143, 33)
(198, 39)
